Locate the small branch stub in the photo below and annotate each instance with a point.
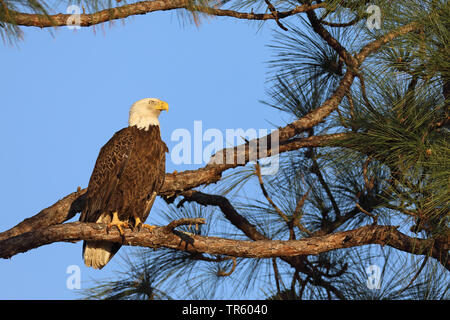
(184, 222)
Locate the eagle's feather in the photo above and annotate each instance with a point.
(129, 172)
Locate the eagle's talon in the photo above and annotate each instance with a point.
(119, 226)
(149, 227)
(138, 225)
(117, 223)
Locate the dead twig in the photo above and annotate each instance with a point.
(222, 273)
(374, 217)
(184, 222)
(275, 15)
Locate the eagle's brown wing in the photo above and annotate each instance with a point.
(129, 172)
(155, 178)
(108, 169)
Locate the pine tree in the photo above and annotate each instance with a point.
(371, 80)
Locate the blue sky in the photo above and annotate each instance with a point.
(65, 93)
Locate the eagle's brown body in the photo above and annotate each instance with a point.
(129, 172)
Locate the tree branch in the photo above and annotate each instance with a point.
(351, 62)
(227, 209)
(61, 211)
(184, 222)
(161, 237)
(267, 196)
(275, 15)
(377, 44)
(139, 8)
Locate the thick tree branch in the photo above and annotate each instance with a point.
(162, 237)
(61, 211)
(240, 222)
(139, 8)
(319, 114)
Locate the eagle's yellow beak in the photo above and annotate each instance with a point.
(162, 105)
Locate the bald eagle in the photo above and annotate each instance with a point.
(127, 176)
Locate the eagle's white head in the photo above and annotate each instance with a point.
(145, 112)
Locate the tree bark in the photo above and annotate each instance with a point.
(139, 8)
(169, 238)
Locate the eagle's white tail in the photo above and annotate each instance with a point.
(96, 254)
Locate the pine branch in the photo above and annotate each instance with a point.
(227, 209)
(222, 273)
(341, 24)
(374, 217)
(161, 237)
(267, 196)
(316, 170)
(184, 222)
(375, 45)
(139, 8)
(332, 42)
(275, 15)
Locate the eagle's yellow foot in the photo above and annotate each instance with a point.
(149, 227)
(138, 224)
(117, 223)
